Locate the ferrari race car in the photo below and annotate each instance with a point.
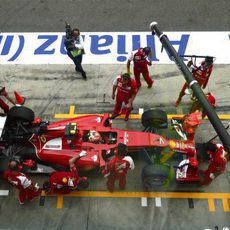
(35, 142)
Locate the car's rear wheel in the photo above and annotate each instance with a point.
(157, 176)
(20, 113)
(155, 118)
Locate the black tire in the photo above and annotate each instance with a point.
(20, 113)
(154, 118)
(156, 176)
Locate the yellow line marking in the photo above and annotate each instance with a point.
(72, 109)
(176, 195)
(72, 114)
(173, 195)
(211, 205)
(225, 205)
(59, 201)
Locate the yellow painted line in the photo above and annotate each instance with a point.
(176, 195)
(211, 205)
(225, 205)
(72, 109)
(170, 195)
(59, 202)
(72, 114)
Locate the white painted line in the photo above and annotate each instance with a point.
(141, 111)
(144, 202)
(4, 192)
(158, 201)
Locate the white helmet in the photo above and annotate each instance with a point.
(94, 136)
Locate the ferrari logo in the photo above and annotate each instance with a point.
(43, 139)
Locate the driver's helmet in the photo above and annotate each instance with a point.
(94, 136)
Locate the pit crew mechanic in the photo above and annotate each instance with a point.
(64, 182)
(201, 75)
(117, 167)
(126, 92)
(217, 163)
(27, 189)
(140, 65)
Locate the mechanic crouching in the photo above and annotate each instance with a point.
(117, 167)
(64, 182)
(27, 189)
(217, 163)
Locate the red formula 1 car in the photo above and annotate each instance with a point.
(53, 144)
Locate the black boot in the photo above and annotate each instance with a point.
(84, 75)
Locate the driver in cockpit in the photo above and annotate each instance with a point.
(94, 137)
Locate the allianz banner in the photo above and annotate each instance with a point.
(110, 47)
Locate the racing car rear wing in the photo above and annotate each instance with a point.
(193, 84)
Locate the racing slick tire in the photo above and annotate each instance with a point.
(157, 176)
(154, 118)
(20, 113)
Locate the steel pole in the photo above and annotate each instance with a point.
(193, 84)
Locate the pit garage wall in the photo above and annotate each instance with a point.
(110, 48)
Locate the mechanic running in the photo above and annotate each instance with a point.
(27, 189)
(126, 92)
(201, 74)
(140, 65)
(75, 48)
(64, 182)
(117, 167)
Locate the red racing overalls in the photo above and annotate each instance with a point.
(60, 181)
(217, 165)
(201, 75)
(117, 169)
(124, 93)
(22, 183)
(141, 67)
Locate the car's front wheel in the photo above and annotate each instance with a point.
(157, 176)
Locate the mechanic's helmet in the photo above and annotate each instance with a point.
(209, 60)
(122, 149)
(83, 183)
(94, 136)
(211, 147)
(147, 50)
(125, 76)
(194, 162)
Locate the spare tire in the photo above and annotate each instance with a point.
(157, 176)
(20, 113)
(155, 118)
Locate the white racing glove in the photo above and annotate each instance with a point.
(82, 153)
